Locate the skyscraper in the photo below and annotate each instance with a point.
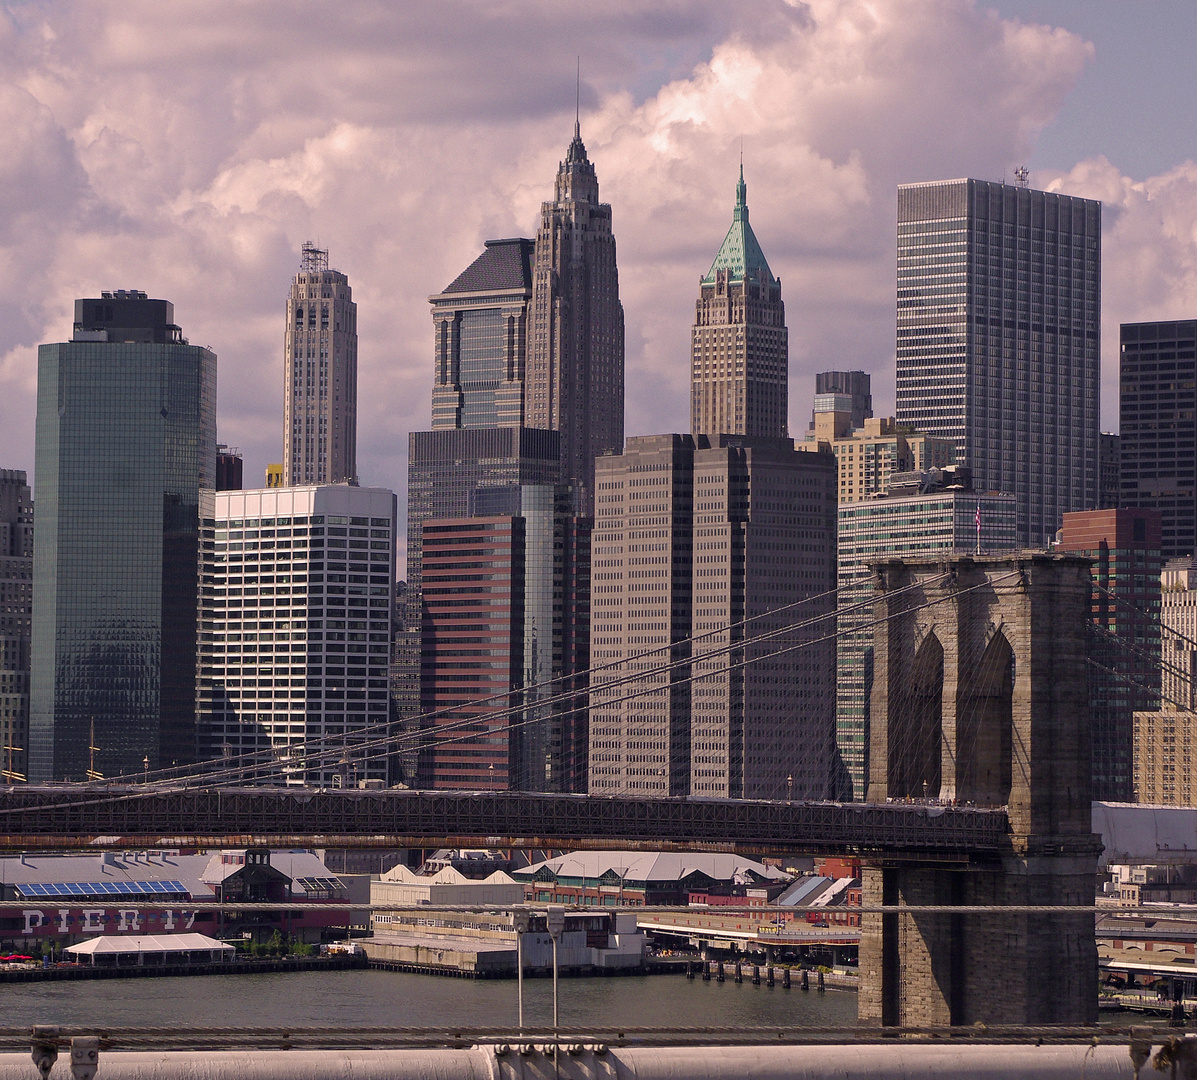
(16, 613)
(1164, 737)
(739, 383)
(449, 471)
(921, 517)
(699, 546)
(855, 385)
(575, 356)
(1124, 545)
(126, 440)
(480, 324)
(320, 376)
(1158, 430)
(296, 619)
(498, 634)
(998, 340)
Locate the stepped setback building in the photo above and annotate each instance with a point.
(999, 339)
(320, 376)
(574, 379)
(739, 350)
(126, 441)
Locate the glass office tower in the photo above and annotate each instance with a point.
(998, 342)
(481, 329)
(126, 438)
(1158, 441)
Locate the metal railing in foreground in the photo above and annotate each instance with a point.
(590, 1036)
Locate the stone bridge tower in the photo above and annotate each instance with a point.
(980, 696)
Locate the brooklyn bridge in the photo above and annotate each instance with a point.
(980, 698)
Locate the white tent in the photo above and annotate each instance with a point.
(159, 948)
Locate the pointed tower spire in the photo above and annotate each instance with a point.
(740, 255)
(578, 103)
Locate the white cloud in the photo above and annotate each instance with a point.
(1149, 252)
(188, 149)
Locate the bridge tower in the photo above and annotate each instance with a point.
(980, 696)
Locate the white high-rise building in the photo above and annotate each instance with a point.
(320, 376)
(295, 620)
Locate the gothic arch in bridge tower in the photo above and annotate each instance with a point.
(1006, 729)
(985, 727)
(916, 736)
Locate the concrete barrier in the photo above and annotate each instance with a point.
(908, 1061)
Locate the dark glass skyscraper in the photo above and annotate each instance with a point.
(481, 339)
(455, 474)
(999, 343)
(126, 438)
(1158, 436)
(575, 356)
(16, 607)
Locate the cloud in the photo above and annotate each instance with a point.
(188, 149)
(1149, 252)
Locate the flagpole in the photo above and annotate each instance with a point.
(978, 526)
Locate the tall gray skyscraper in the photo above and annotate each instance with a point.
(575, 357)
(16, 607)
(701, 545)
(320, 376)
(739, 381)
(480, 325)
(126, 438)
(999, 335)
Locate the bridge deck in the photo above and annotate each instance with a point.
(132, 817)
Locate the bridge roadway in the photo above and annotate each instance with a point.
(78, 816)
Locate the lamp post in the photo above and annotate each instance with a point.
(521, 928)
(555, 922)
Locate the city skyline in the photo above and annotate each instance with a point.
(663, 130)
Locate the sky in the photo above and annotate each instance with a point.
(188, 149)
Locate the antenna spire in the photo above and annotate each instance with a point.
(578, 102)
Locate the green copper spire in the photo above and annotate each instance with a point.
(740, 254)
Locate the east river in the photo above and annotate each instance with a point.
(364, 998)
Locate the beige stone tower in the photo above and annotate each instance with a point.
(320, 376)
(739, 383)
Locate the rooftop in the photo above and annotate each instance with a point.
(633, 866)
(740, 255)
(505, 266)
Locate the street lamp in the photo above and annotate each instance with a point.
(555, 922)
(521, 928)
(145, 764)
